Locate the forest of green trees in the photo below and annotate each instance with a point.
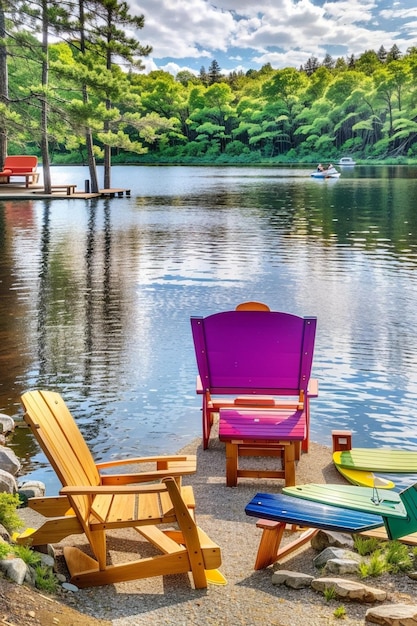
(73, 90)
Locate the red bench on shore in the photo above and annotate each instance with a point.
(23, 166)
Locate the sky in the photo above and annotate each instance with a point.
(246, 34)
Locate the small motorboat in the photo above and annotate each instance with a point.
(347, 161)
(330, 172)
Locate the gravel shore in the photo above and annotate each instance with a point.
(249, 598)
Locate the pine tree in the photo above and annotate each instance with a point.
(328, 62)
(203, 76)
(109, 34)
(382, 54)
(214, 73)
(394, 54)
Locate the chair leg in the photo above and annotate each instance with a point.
(272, 533)
(232, 456)
(207, 421)
(189, 530)
(97, 539)
(305, 443)
(289, 464)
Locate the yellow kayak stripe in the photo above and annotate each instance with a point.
(363, 478)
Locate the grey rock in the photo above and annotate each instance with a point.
(9, 461)
(295, 580)
(334, 553)
(393, 615)
(326, 538)
(349, 589)
(341, 566)
(4, 534)
(32, 489)
(69, 587)
(6, 424)
(30, 577)
(15, 569)
(47, 560)
(7, 482)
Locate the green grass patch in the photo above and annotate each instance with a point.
(340, 612)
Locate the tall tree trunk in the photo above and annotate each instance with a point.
(4, 86)
(90, 151)
(44, 101)
(88, 134)
(107, 149)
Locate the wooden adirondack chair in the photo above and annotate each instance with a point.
(253, 357)
(93, 503)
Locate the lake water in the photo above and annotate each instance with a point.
(96, 297)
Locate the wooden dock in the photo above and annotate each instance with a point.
(64, 191)
(112, 193)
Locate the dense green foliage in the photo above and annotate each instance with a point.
(365, 107)
(8, 515)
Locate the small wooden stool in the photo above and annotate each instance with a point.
(262, 432)
(342, 440)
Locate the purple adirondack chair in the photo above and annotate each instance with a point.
(254, 358)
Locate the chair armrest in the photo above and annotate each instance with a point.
(147, 459)
(176, 467)
(111, 490)
(313, 388)
(159, 467)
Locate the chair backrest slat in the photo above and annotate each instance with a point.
(60, 439)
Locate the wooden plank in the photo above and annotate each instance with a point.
(51, 531)
(101, 506)
(149, 508)
(381, 533)
(114, 192)
(159, 468)
(159, 539)
(52, 506)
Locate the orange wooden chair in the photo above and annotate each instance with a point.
(93, 503)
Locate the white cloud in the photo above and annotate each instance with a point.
(389, 14)
(280, 32)
(184, 28)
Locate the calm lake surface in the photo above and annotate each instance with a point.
(96, 297)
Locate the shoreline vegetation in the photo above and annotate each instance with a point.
(126, 160)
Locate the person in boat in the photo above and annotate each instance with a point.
(320, 168)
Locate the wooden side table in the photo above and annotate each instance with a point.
(265, 433)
